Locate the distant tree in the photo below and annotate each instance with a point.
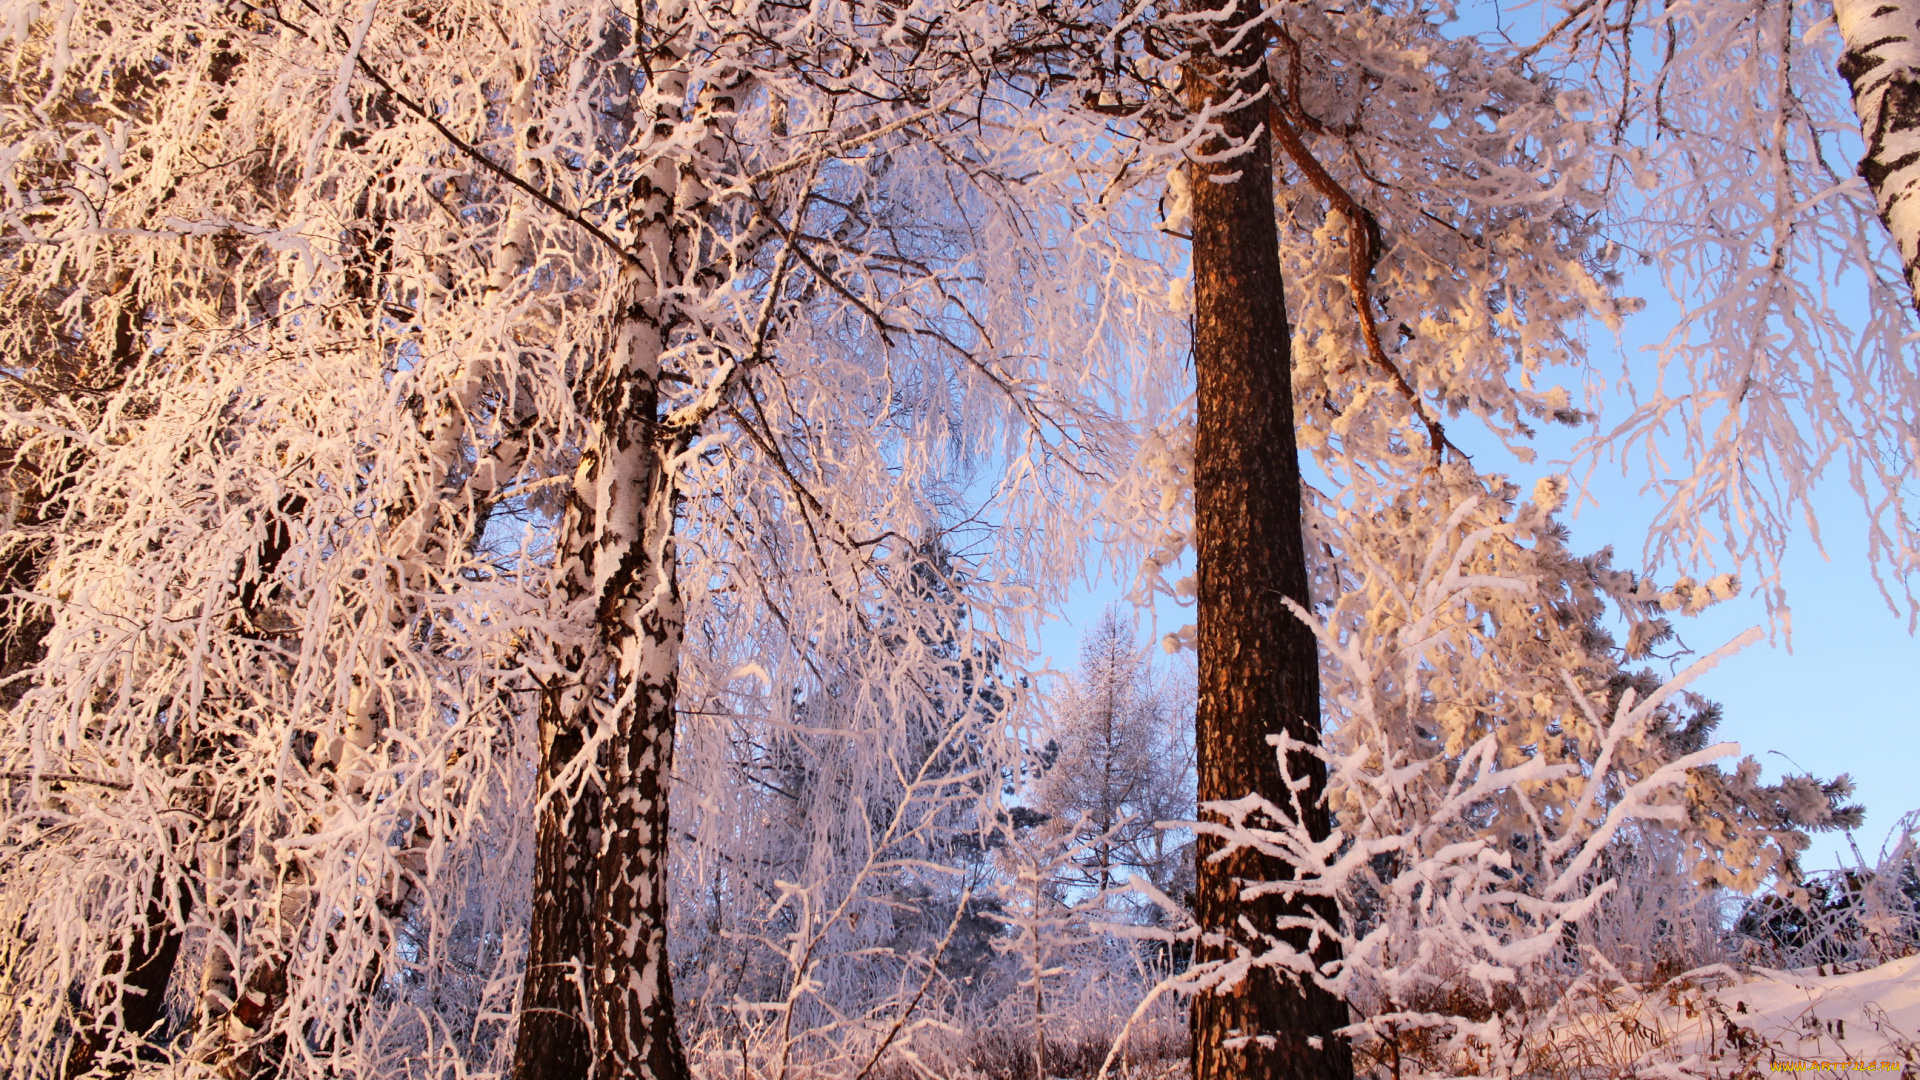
(854, 818)
(1120, 764)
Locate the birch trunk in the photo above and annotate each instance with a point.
(633, 991)
(598, 955)
(556, 1035)
(598, 1000)
(1258, 664)
(1881, 62)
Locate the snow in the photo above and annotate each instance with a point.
(1719, 1022)
(1870, 1015)
(902, 400)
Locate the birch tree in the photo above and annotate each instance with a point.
(480, 326)
(1726, 152)
(525, 407)
(1879, 62)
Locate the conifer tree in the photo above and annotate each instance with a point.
(1118, 763)
(1259, 668)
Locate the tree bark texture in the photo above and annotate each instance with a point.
(598, 998)
(1881, 62)
(1258, 664)
(633, 989)
(556, 1034)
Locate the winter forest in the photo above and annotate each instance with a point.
(528, 524)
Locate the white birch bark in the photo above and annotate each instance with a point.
(1881, 63)
(600, 920)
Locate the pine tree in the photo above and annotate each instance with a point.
(511, 388)
(1119, 764)
(1259, 668)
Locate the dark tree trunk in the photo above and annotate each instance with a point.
(134, 985)
(556, 1036)
(1259, 667)
(598, 998)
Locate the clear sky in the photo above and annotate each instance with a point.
(1841, 694)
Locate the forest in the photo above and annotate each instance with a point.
(529, 524)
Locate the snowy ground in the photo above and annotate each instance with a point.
(1717, 1022)
(1871, 1015)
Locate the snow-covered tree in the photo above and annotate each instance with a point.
(1454, 210)
(1118, 763)
(483, 351)
(1484, 625)
(1496, 772)
(1857, 915)
(836, 855)
(440, 433)
(1724, 151)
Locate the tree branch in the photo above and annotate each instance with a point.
(460, 144)
(66, 778)
(495, 167)
(1361, 259)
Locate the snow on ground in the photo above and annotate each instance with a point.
(1719, 1023)
(1863, 1016)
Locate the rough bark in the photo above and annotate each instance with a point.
(633, 993)
(600, 882)
(556, 1028)
(598, 1000)
(1258, 664)
(1881, 62)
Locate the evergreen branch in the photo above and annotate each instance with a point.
(1362, 256)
